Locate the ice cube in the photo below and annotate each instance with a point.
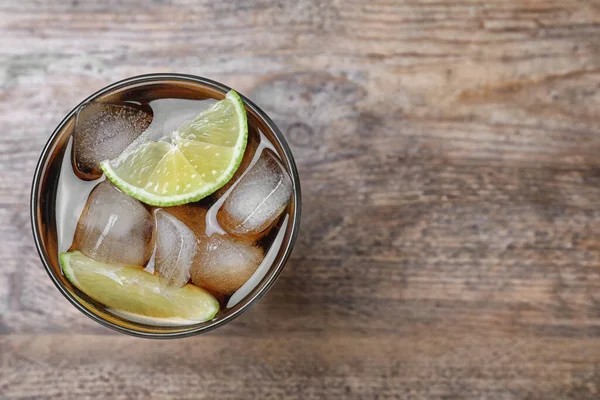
(257, 199)
(223, 264)
(114, 228)
(174, 250)
(103, 131)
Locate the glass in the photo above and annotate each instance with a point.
(45, 182)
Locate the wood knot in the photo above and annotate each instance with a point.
(301, 135)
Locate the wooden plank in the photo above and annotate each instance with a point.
(299, 367)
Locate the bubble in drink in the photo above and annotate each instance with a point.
(114, 228)
(174, 250)
(257, 199)
(103, 131)
(223, 264)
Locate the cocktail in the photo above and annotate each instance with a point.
(165, 205)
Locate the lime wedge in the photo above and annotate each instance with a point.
(131, 290)
(193, 162)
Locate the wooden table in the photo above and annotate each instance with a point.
(448, 151)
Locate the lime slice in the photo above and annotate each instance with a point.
(131, 290)
(193, 162)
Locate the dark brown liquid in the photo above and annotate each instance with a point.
(142, 96)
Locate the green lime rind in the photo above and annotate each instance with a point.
(131, 290)
(207, 188)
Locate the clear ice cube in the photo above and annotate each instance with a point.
(114, 228)
(223, 264)
(174, 250)
(257, 199)
(103, 131)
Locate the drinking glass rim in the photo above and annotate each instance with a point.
(248, 302)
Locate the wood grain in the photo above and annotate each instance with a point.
(450, 240)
